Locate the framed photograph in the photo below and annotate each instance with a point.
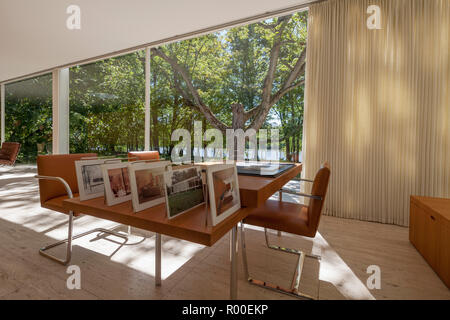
(90, 178)
(117, 183)
(183, 190)
(147, 184)
(223, 190)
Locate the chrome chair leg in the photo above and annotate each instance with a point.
(233, 263)
(271, 246)
(69, 240)
(280, 197)
(158, 259)
(295, 284)
(244, 253)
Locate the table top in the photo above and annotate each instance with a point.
(254, 190)
(192, 225)
(440, 206)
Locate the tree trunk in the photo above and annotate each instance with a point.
(238, 116)
(238, 122)
(155, 133)
(154, 114)
(288, 148)
(295, 150)
(203, 146)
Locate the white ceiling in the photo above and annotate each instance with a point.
(34, 37)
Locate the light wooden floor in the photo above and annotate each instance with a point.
(110, 270)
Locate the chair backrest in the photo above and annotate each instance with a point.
(143, 155)
(10, 151)
(319, 188)
(58, 165)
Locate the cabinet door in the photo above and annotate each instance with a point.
(431, 239)
(426, 233)
(419, 232)
(413, 223)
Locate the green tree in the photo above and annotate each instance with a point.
(28, 116)
(107, 105)
(279, 44)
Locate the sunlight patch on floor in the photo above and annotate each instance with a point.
(333, 269)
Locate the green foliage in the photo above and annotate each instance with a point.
(229, 67)
(28, 116)
(107, 105)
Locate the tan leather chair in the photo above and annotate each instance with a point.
(58, 182)
(53, 191)
(143, 155)
(9, 153)
(293, 218)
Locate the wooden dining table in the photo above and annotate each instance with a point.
(194, 225)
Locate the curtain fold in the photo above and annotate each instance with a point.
(377, 105)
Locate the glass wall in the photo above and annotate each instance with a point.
(216, 71)
(199, 79)
(28, 116)
(107, 105)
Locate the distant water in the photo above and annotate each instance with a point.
(268, 155)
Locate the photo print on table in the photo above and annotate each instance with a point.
(183, 190)
(223, 189)
(117, 183)
(90, 178)
(147, 184)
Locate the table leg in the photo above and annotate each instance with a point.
(233, 262)
(158, 259)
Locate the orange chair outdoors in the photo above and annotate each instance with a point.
(57, 182)
(293, 218)
(9, 153)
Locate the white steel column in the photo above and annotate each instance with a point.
(60, 111)
(147, 99)
(2, 113)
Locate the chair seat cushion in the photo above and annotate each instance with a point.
(56, 204)
(5, 162)
(9, 152)
(4, 155)
(282, 216)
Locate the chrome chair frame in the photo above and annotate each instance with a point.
(294, 290)
(70, 236)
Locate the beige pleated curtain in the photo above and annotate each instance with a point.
(377, 105)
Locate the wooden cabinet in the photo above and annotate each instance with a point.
(429, 232)
(444, 254)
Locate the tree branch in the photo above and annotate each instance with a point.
(298, 69)
(251, 113)
(274, 54)
(197, 101)
(269, 26)
(277, 96)
(263, 109)
(174, 84)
